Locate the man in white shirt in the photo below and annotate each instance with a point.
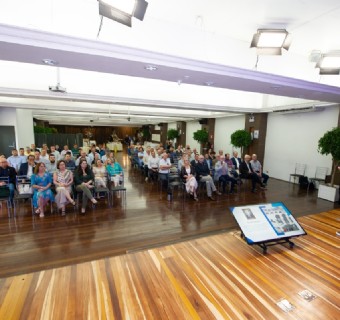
(14, 160)
(44, 156)
(164, 169)
(147, 154)
(51, 165)
(22, 155)
(56, 153)
(153, 165)
(66, 149)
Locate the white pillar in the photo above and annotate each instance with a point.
(24, 128)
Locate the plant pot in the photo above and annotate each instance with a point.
(328, 193)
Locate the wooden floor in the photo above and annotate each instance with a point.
(214, 277)
(148, 220)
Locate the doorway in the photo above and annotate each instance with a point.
(7, 140)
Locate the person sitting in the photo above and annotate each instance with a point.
(100, 175)
(55, 152)
(95, 159)
(8, 172)
(22, 156)
(51, 165)
(164, 169)
(115, 171)
(28, 151)
(63, 180)
(27, 169)
(153, 164)
(247, 172)
(84, 179)
(65, 151)
(70, 164)
(106, 155)
(203, 175)
(147, 154)
(37, 156)
(83, 155)
(188, 176)
(222, 175)
(257, 167)
(14, 160)
(236, 160)
(194, 162)
(41, 183)
(44, 156)
(75, 151)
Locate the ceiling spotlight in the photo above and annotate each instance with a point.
(271, 41)
(122, 11)
(329, 64)
(50, 62)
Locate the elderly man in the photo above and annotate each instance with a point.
(153, 165)
(247, 172)
(27, 169)
(8, 172)
(222, 175)
(203, 175)
(236, 160)
(164, 168)
(257, 167)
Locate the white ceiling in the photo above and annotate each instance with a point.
(192, 43)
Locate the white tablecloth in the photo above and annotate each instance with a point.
(114, 146)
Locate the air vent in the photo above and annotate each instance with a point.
(299, 110)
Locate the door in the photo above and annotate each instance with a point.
(7, 140)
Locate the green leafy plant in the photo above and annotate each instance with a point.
(240, 139)
(201, 136)
(172, 134)
(329, 143)
(146, 133)
(38, 129)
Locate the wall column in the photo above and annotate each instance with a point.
(24, 128)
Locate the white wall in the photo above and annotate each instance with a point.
(172, 125)
(224, 127)
(192, 126)
(24, 128)
(293, 138)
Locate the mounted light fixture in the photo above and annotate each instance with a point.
(122, 11)
(271, 41)
(329, 63)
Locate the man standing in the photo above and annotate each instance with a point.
(7, 171)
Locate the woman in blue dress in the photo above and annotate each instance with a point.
(41, 183)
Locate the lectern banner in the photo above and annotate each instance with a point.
(266, 222)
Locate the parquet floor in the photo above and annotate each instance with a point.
(214, 277)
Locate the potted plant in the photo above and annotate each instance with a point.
(172, 134)
(202, 137)
(240, 139)
(329, 143)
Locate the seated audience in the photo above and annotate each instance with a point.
(203, 175)
(147, 155)
(27, 169)
(236, 160)
(84, 179)
(7, 171)
(22, 155)
(188, 176)
(43, 155)
(65, 151)
(153, 165)
(247, 172)
(63, 180)
(222, 174)
(83, 155)
(55, 152)
(100, 174)
(164, 169)
(41, 183)
(69, 162)
(14, 160)
(257, 167)
(51, 165)
(115, 171)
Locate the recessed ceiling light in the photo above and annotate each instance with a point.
(50, 62)
(209, 83)
(150, 68)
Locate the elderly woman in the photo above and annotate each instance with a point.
(84, 183)
(188, 176)
(63, 180)
(41, 184)
(100, 174)
(115, 171)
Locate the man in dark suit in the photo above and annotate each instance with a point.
(236, 161)
(246, 172)
(8, 172)
(27, 169)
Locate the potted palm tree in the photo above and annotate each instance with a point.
(240, 139)
(329, 143)
(172, 134)
(202, 137)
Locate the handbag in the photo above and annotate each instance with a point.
(25, 189)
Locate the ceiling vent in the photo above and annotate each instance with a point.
(299, 110)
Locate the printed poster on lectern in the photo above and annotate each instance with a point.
(266, 222)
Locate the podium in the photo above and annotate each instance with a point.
(267, 224)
